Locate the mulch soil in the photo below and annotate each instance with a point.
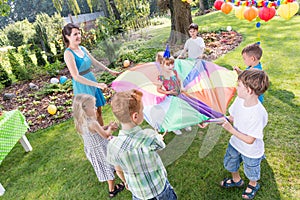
(36, 112)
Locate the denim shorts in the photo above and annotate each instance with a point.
(233, 158)
(167, 194)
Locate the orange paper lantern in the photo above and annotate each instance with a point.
(250, 13)
(226, 8)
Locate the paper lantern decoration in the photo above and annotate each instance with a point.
(218, 4)
(250, 13)
(63, 79)
(226, 8)
(266, 13)
(51, 109)
(126, 63)
(54, 80)
(288, 10)
(239, 12)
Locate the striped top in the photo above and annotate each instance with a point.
(135, 152)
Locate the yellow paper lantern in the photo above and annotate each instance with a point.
(52, 109)
(250, 13)
(226, 8)
(239, 12)
(288, 10)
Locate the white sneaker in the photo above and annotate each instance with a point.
(189, 129)
(177, 132)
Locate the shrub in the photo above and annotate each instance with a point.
(4, 78)
(15, 37)
(53, 69)
(39, 57)
(19, 71)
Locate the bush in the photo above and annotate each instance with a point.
(15, 37)
(39, 57)
(4, 78)
(53, 69)
(19, 71)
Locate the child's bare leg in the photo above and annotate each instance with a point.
(99, 116)
(236, 176)
(111, 185)
(253, 183)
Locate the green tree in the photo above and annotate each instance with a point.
(4, 78)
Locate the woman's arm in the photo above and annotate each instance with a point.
(70, 61)
(96, 63)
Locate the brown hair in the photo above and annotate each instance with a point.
(253, 50)
(67, 30)
(193, 26)
(125, 104)
(255, 79)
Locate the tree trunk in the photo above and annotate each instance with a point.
(104, 8)
(201, 5)
(181, 18)
(115, 10)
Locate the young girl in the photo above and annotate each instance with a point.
(170, 83)
(95, 140)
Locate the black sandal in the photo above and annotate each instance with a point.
(251, 195)
(118, 188)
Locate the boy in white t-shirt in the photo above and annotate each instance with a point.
(246, 144)
(194, 45)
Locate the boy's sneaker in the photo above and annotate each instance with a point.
(189, 129)
(177, 132)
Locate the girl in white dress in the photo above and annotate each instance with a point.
(95, 140)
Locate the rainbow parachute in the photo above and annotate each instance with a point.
(208, 91)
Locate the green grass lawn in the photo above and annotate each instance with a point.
(57, 167)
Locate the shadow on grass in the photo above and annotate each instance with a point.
(284, 96)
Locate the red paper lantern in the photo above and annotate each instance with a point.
(218, 4)
(266, 13)
(226, 8)
(250, 13)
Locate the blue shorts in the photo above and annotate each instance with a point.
(233, 159)
(167, 194)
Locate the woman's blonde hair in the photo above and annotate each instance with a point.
(125, 104)
(80, 104)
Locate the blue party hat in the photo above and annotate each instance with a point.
(167, 53)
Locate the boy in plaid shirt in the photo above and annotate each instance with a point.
(133, 152)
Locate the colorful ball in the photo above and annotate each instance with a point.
(63, 79)
(126, 63)
(54, 80)
(51, 109)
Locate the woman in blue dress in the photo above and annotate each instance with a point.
(79, 62)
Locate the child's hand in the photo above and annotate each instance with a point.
(237, 69)
(173, 92)
(114, 126)
(227, 125)
(203, 125)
